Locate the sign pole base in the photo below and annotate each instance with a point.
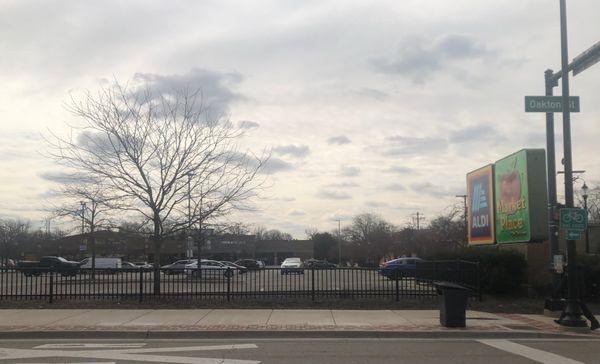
(572, 315)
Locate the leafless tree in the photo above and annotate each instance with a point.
(88, 202)
(156, 152)
(10, 232)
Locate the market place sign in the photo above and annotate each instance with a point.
(507, 201)
(521, 197)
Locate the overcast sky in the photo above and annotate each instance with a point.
(372, 106)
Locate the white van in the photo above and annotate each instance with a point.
(102, 263)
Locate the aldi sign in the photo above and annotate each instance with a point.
(480, 202)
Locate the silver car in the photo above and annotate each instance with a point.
(292, 265)
(209, 269)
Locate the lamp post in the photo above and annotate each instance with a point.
(188, 251)
(339, 242)
(584, 194)
(464, 197)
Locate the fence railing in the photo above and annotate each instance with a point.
(229, 284)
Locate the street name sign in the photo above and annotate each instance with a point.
(547, 104)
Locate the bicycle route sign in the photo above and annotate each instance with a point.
(574, 221)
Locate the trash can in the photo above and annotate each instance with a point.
(453, 303)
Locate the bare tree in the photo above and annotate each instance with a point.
(156, 152)
(10, 232)
(89, 203)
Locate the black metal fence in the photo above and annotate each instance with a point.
(228, 285)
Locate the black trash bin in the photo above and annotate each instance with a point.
(453, 303)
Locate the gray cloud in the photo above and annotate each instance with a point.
(296, 213)
(430, 189)
(395, 187)
(63, 177)
(373, 94)
(376, 204)
(419, 59)
(343, 185)
(347, 171)
(339, 140)
(248, 124)
(401, 145)
(399, 170)
(476, 133)
(276, 165)
(215, 87)
(292, 150)
(333, 195)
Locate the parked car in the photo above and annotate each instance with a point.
(144, 265)
(251, 264)
(240, 269)
(399, 268)
(209, 269)
(292, 265)
(102, 263)
(49, 263)
(319, 264)
(7, 263)
(177, 267)
(129, 265)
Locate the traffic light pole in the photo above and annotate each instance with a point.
(571, 315)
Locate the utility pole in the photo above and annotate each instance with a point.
(464, 197)
(418, 219)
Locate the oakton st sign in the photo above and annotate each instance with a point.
(549, 104)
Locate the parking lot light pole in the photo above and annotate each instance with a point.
(464, 197)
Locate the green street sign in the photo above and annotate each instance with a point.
(573, 234)
(573, 219)
(547, 104)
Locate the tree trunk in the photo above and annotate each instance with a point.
(157, 245)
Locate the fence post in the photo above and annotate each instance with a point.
(229, 274)
(141, 284)
(51, 298)
(312, 284)
(397, 280)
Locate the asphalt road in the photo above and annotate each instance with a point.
(347, 351)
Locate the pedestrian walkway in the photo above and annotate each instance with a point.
(259, 320)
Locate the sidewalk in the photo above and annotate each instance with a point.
(265, 320)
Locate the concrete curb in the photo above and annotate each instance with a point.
(265, 334)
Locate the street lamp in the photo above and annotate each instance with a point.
(584, 194)
(188, 251)
(464, 197)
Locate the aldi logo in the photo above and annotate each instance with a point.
(481, 201)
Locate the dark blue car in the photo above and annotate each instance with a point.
(399, 268)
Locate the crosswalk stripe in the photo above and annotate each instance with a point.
(529, 353)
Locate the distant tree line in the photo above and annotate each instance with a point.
(369, 238)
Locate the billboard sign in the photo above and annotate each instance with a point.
(520, 196)
(480, 202)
